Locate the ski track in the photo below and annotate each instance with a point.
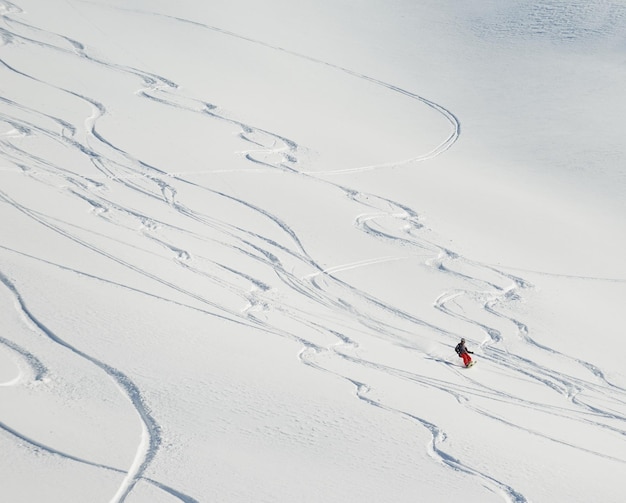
(487, 289)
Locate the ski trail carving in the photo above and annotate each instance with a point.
(150, 438)
(271, 150)
(435, 448)
(29, 441)
(291, 294)
(447, 115)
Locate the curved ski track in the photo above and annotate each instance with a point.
(488, 289)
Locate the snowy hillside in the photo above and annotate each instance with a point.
(240, 240)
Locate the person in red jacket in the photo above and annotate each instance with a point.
(462, 351)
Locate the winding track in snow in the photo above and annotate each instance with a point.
(150, 429)
(323, 287)
(447, 115)
(115, 159)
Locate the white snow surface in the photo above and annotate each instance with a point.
(240, 240)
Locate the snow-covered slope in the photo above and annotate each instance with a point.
(241, 239)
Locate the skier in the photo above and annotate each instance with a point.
(462, 351)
